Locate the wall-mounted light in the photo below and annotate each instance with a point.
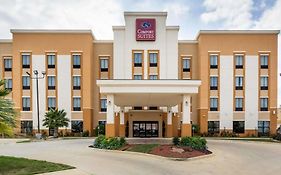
(273, 111)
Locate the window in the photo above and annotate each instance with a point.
(104, 65)
(26, 127)
(102, 122)
(153, 59)
(8, 64)
(214, 104)
(76, 61)
(239, 83)
(264, 83)
(213, 83)
(51, 103)
(25, 61)
(9, 84)
(186, 65)
(76, 104)
(263, 128)
(26, 103)
(76, 82)
(137, 107)
(51, 82)
(214, 61)
(76, 126)
(238, 104)
(103, 105)
(264, 61)
(153, 108)
(51, 61)
(239, 61)
(153, 77)
(137, 77)
(264, 104)
(213, 127)
(25, 82)
(238, 127)
(137, 59)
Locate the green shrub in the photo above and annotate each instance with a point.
(198, 143)
(100, 130)
(122, 141)
(277, 136)
(176, 140)
(195, 128)
(228, 134)
(111, 143)
(85, 133)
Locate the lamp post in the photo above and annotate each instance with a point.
(37, 77)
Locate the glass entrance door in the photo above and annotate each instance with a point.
(145, 129)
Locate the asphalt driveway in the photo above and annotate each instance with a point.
(230, 157)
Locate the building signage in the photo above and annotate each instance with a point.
(145, 29)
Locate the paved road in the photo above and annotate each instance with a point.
(230, 157)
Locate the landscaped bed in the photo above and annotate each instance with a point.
(185, 147)
(171, 151)
(22, 166)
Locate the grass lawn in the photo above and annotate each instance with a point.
(24, 141)
(145, 148)
(22, 166)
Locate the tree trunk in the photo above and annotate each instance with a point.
(56, 132)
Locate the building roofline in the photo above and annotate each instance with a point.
(118, 27)
(188, 41)
(237, 32)
(143, 13)
(6, 40)
(58, 31)
(103, 41)
(51, 31)
(173, 27)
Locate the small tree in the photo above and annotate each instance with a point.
(55, 119)
(7, 112)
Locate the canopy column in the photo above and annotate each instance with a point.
(110, 127)
(186, 126)
(169, 122)
(122, 122)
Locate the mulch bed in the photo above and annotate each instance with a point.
(173, 151)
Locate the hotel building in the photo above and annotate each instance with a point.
(146, 82)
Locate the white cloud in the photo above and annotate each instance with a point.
(98, 15)
(232, 14)
(270, 19)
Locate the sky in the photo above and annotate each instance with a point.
(101, 15)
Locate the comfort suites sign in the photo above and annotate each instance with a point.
(145, 29)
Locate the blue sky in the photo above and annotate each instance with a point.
(100, 15)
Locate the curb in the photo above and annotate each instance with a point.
(157, 156)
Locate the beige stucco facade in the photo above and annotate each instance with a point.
(171, 58)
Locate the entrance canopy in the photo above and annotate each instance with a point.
(148, 92)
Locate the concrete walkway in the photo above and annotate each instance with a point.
(230, 158)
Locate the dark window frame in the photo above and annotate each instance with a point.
(213, 127)
(239, 127)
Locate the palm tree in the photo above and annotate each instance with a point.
(7, 112)
(55, 118)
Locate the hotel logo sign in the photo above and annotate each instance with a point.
(145, 29)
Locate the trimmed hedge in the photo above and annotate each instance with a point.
(197, 143)
(111, 143)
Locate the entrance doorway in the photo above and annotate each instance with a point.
(145, 128)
